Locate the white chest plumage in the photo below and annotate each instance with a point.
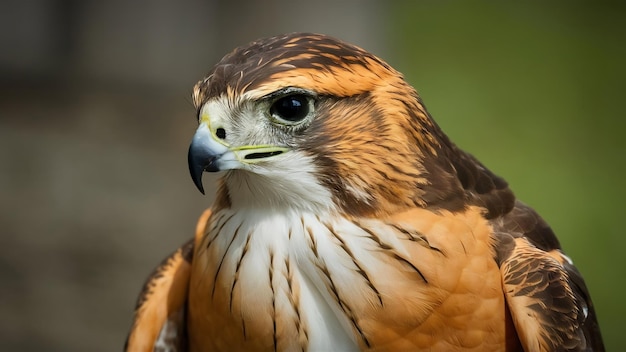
(271, 268)
(306, 282)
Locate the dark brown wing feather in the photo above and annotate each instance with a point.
(159, 322)
(548, 299)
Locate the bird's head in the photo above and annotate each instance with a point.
(308, 121)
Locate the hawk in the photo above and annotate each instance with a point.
(346, 220)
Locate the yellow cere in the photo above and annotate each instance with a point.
(204, 118)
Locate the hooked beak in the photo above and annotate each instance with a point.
(208, 152)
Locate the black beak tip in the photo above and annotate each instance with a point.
(199, 185)
(197, 165)
(196, 175)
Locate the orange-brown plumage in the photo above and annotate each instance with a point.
(347, 220)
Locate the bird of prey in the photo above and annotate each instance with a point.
(346, 220)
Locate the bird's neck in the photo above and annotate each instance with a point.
(243, 190)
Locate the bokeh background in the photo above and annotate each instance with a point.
(96, 116)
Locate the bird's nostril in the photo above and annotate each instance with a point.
(220, 133)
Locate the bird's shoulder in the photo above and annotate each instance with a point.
(547, 296)
(160, 312)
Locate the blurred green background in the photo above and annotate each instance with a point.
(95, 120)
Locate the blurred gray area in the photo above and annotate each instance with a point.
(95, 120)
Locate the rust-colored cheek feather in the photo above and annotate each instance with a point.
(346, 220)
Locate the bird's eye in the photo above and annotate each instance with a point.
(291, 108)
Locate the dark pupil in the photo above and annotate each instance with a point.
(291, 108)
